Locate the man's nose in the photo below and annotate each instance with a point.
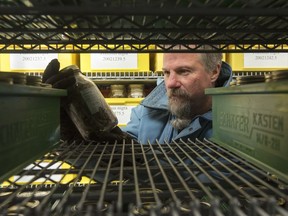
(172, 81)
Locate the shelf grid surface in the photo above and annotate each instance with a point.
(178, 178)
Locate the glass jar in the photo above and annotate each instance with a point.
(5, 78)
(136, 91)
(33, 80)
(117, 91)
(86, 106)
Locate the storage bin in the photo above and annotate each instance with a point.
(29, 125)
(258, 61)
(252, 121)
(122, 108)
(114, 62)
(34, 62)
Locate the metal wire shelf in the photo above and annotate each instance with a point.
(178, 178)
(143, 26)
(124, 75)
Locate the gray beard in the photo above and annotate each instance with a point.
(185, 107)
(180, 123)
(183, 111)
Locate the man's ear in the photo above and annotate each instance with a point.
(215, 73)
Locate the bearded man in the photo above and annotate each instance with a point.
(178, 107)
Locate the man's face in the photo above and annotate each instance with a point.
(186, 79)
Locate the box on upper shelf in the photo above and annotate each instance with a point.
(34, 62)
(258, 61)
(114, 62)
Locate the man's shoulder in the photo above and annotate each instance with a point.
(225, 75)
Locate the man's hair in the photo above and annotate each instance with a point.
(210, 60)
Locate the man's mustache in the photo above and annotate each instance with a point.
(176, 93)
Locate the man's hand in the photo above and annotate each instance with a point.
(116, 134)
(63, 79)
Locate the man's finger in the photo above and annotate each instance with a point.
(51, 69)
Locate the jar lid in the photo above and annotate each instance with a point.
(8, 80)
(136, 85)
(33, 80)
(117, 86)
(16, 77)
(279, 74)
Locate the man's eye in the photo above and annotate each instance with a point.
(184, 72)
(165, 73)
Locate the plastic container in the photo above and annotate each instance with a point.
(87, 107)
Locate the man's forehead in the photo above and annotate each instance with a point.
(180, 55)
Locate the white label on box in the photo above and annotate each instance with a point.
(42, 165)
(114, 61)
(265, 60)
(31, 61)
(122, 113)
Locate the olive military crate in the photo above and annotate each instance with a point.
(252, 121)
(29, 125)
